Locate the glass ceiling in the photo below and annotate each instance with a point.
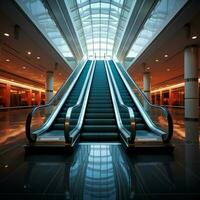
(100, 24)
(163, 12)
(39, 14)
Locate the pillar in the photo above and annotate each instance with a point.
(49, 85)
(6, 96)
(191, 89)
(29, 98)
(161, 98)
(38, 98)
(170, 98)
(146, 82)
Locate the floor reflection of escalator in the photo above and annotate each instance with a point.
(142, 130)
(57, 127)
(100, 172)
(99, 123)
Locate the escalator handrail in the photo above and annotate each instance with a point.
(32, 136)
(72, 136)
(165, 136)
(128, 108)
(125, 135)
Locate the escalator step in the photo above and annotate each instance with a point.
(61, 126)
(104, 136)
(100, 128)
(62, 120)
(102, 105)
(99, 110)
(99, 121)
(99, 115)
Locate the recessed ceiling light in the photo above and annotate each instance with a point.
(38, 57)
(166, 55)
(168, 69)
(7, 34)
(194, 37)
(7, 60)
(157, 60)
(23, 67)
(148, 68)
(28, 52)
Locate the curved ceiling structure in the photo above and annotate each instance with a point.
(100, 24)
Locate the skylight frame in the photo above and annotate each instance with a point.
(100, 19)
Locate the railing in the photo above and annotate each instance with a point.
(157, 117)
(71, 136)
(121, 108)
(44, 115)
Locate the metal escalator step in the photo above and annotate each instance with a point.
(99, 121)
(147, 136)
(96, 136)
(100, 128)
(99, 115)
(100, 101)
(127, 120)
(102, 105)
(99, 98)
(60, 126)
(139, 126)
(62, 120)
(99, 110)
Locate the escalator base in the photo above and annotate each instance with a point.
(150, 148)
(48, 148)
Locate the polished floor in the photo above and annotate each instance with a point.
(97, 171)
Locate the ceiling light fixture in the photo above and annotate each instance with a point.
(7, 60)
(23, 67)
(38, 57)
(168, 69)
(6, 34)
(157, 60)
(194, 37)
(28, 52)
(166, 55)
(148, 68)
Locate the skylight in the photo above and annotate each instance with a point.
(99, 24)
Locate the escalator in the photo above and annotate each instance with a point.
(89, 108)
(99, 122)
(42, 132)
(57, 127)
(143, 132)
